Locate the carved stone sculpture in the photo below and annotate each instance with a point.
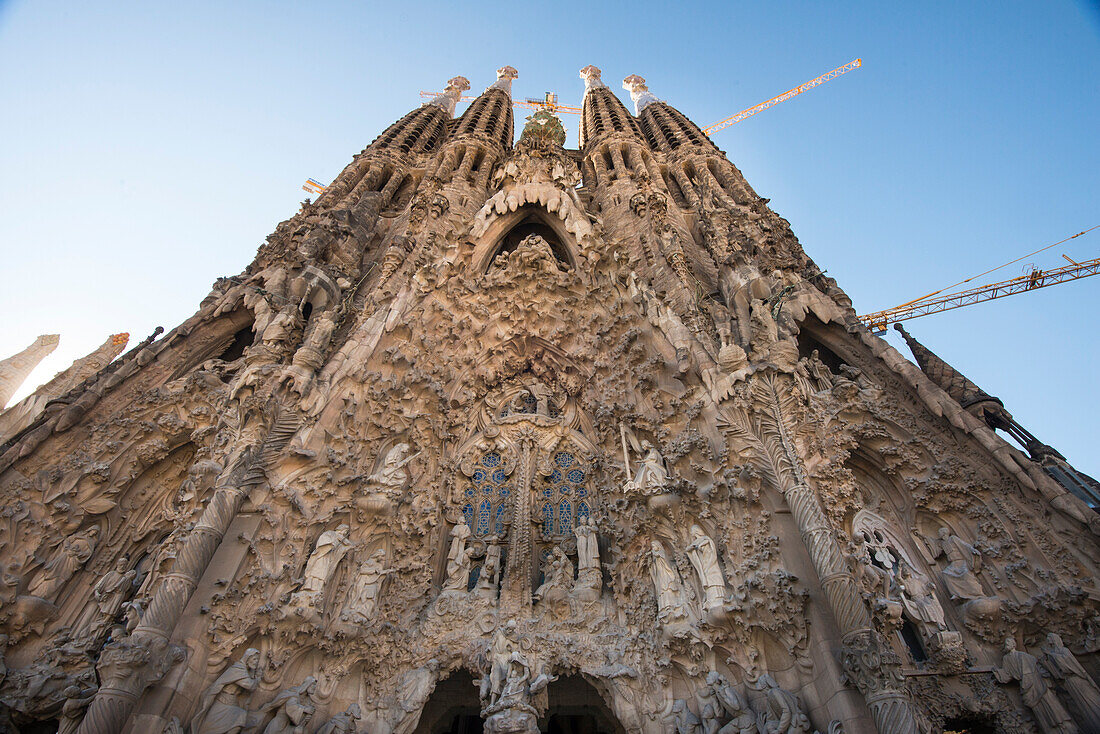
(666, 580)
(77, 697)
(108, 595)
(489, 579)
(291, 710)
(964, 562)
(345, 723)
(73, 554)
(383, 488)
(223, 708)
(558, 578)
(704, 558)
(331, 547)
(363, 597)
(783, 713)
(1023, 668)
(918, 594)
(742, 719)
(651, 477)
(1063, 667)
(589, 576)
(458, 572)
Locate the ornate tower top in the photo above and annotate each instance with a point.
(953, 382)
(448, 98)
(639, 92)
(505, 75)
(592, 80)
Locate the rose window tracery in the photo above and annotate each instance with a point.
(486, 495)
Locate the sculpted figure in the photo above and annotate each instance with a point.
(651, 476)
(1063, 667)
(670, 600)
(682, 719)
(292, 709)
(704, 558)
(77, 697)
(558, 578)
(108, 596)
(458, 572)
(821, 375)
(74, 553)
(223, 709)
(742, 719)
(413, 689)
(964, 562)
(459, 534)
(918, 595)
(710, 709)
(364, 593)
(278, 331)
(488, 579)
(1045, 706)
(344, 723)
(783, 714)
(331, 548)
(391, 476)
(589, 578)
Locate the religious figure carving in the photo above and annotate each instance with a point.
(77, 697)
(704, 558)
(459, 534)
(1064, 668)
(1024, 668)
(709, 708)
(819, 373)
(223, 708)
(458, 572)
(512, 710)
(918, 595)
(670, 600)
(964, 562)
(383, 488)
(682, 720)
(783, 713)
(108, 596)
(74, 553)
(345, 723)
(331, 548)
(363, 597)
(742, 719)
(558, 578)
(292, 709)
(488, 580)
(589, 577)
(651, 476)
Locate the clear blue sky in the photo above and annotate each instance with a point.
(149, 147)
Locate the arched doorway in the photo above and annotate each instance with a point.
(575, 707)
(453, 707)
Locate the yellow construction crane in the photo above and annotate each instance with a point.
(941, 300)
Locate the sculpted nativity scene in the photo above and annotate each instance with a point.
(499, 436)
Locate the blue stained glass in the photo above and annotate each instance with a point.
(483, 512)
(576, 476)
(470, 491)
(479, 476)
(498, 525)
(468, 513)
(582, 510)
(563, 459)
(548, 492)
(487, 489)
(491, 459)
(555, 476)
(565, 516)
(504, 491)
(548, 519)
(582, 491)
(498, 476)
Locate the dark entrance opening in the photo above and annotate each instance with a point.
(529, 226)
(967, 726)
(577, 708)
(453, 707)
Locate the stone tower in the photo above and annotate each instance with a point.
(501, 436)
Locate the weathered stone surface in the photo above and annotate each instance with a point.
(513, 433)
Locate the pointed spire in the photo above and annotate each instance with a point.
(15, 369)
(591, 76)
(953, 382)
(505, 75)
(639, 92)
(449, 97)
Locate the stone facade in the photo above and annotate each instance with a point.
(507, 436)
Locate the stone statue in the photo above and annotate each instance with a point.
(512, 710)
(1045, 706)
(742, 719)
(458, 572)
(821, 375)
(589, 577)
(108, 596)
(75, 552)
(670, 600)
(557, 578)
(709, 708)
(964, 562)
(391, 476)
(412, 691)
(682, 720)
(704, 558)
(292, 709)
(783, 713)
(345, 723)
(918, 595)
(651, 476)
(77, 697)
(488, 579)
(1063, 667)
(223, 709)
(459, 534)
(363, 597)
(330, 550)
(278, 331)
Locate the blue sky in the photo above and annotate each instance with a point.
(149, 147)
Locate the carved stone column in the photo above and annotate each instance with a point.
(131, 665)
(867, 661)
(515, 587)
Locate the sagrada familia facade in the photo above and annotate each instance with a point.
(499, 436)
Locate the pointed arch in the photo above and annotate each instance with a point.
(507, 230)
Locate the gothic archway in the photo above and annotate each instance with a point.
(576, 707)
(453, 707)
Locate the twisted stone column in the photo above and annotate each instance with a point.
(868, 663)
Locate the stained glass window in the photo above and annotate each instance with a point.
(489, 489)
(560, 492)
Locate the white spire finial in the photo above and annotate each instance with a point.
(591, 76)
(449, 97)
(639, 92)
(505, 75)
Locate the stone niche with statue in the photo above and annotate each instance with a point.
(501, 436)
